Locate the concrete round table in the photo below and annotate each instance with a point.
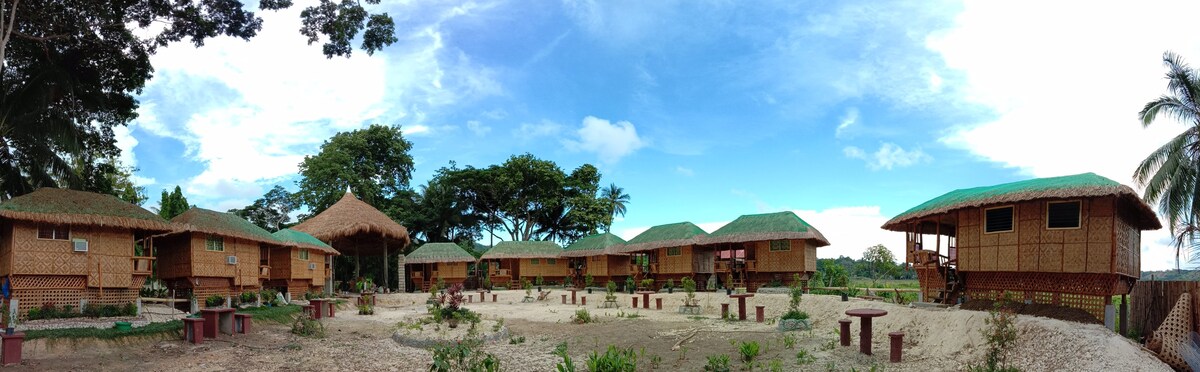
(646, 298)
(573, 290)
(864, 342)
(741, 297)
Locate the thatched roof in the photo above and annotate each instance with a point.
(1079, 185)
(767, 226)
(592, 245)
(71, 207)
(523, 249)
(661, 236)
(299, 239)
(353, 227)
(206, 221)
(438, 252)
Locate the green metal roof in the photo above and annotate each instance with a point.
(766, 226)
(523, 249)
(223, 224)
(439, 252)
(303, 240)
(1079, 185)
(591, 245)
(670, 235)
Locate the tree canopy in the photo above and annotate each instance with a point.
(272, 212)
(69, 71)
(172, 204)
(373, 163)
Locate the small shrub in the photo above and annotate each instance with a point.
(1000, 335)
(717, 363)
(776, 365)
(588, 281)
(749, 351)
(648, 284)
(613, 360)
(670, 283)
(249, 297)
(581, 317)
(366, 309)
(629, 284)
(130, 309)
(539, 281)
(516, 340)
(689, 287)
(789, 341)
(610, 291)
(655, 362)
(306, 326)
(804, 357)
(214, 301)
(463, 356)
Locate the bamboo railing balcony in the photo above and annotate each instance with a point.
(142, 265)
(264, 271)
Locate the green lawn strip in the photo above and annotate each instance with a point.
(279, 314)
(174, 326)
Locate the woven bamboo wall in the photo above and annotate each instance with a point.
(107, 262)
(451, 270)
(598, 265)
(1031, 247)
(618, 265)
(681, 264)
(6, 245)
(173, 256)
(544, 268)
(810, 257)
(300, 267)
(248, 256)
(1128, 253)
(213, 264)
(704, 261)
(789, 261)
(280, 259)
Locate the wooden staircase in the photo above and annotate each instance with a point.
(954, 286)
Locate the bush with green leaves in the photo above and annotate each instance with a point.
(305, 325)
(270, 296)
(610, 290)
(789, 341)
(689, 287)
(749, 351)
(629, 284)
(670, 283)
(581, 317)
(538, 280)
(613, 360)
(1000, 335)
(796, 294)
(588, 281)
(214, 301)
(527, 286)
(648, 284)
(717, 363)
(804, 357)
(463, 356)
(366, 309)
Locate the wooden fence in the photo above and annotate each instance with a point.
(1151, 301)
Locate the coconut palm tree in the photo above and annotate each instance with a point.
(1171, 173)
(616, 198)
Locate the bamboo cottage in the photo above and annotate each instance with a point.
(598, 255)
(298, 266)
(434, 261)
(213, 253)
(670, 252)
(66, 247)
(756, 249)
(355, 228)
(526, 259)
(1071, 241)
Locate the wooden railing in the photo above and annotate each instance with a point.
(142, 265)
(264, 271)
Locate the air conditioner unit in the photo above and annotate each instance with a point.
(312, 265)
(232, 260)
(80, 245)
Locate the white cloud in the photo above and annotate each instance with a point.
(848, 120)
(1066, 95)
(609, 141)
(416, 130)
(850, 231)
(888, 156)
(681, 170)
(478, 128)
(544, 128)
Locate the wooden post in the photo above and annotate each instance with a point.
(385, 264)
(1124, 318)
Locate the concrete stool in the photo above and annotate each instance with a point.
(758, 313)
(493, 297)
(481, 297)
(193, 330)
(845, 325)
(469, 299)
(332, 308)
(12, 348)
(897, 339)
(241, 323)
(583, 301)
(658, 303)
(318, 308)
(724, 311)
(564, 299)
(308, 310)
(634, 302)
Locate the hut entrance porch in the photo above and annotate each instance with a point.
(734, 264)
(937, 272)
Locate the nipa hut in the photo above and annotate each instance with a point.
(355, 228)
(214, 253)
(299, 265)
(670, 252)
(525, 260)
(757, 249)
(434, 261)
(1070, 241)
(66, 248)
(599, 256)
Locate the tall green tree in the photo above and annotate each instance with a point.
(373, 163)
(879, 263)
(438, 214)
(272, 211)
(1171, 173)
(616, 199)
(172, 204)
(69, 70)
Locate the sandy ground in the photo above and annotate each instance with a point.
(936, 339)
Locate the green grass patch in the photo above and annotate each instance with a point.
(174, 326)
(277, 314)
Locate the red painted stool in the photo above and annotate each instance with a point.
(845, 331)
(493, 297)
(583, 300)
(634, 302)
(564, 301)
(758, 313)
(193, 330)
(332, 308)
(658, 303)
(724, 311)
(897, 345)
(308, 310)
(241, 323)
(12, 348)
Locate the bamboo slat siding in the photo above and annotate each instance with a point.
(1031, 247)
(1151, 300)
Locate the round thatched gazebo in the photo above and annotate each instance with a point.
(355, 228)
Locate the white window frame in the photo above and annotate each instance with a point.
(303, 254)
(786, 248)
(1078, 220)
(214, 241)
(678, 251)
(1012, 226)
(54, 230)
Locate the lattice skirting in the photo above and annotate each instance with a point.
(932, 282)
(1092, 304)
(1075, 283)
(33, 298)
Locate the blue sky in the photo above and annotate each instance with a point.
(847, 112)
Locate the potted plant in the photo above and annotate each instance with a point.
(670, 285)
(629, 285)
(729, 283)
(588, 280)
(214, 301)
(7, 318)
(690, 304)
(539, 282)
(794, 318)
